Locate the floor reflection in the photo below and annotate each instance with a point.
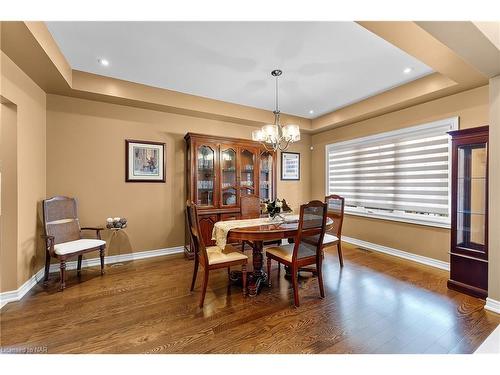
(374, 304)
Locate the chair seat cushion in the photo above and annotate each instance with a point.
(70, 247)
(328, 239)
(285, 252)
(217, 256)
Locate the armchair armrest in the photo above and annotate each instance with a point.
(96, 229)
(93, 228)
(49, 243)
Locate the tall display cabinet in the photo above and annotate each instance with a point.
(469, 212)
(219, 172)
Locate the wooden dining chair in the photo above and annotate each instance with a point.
(212, 257)
(250, 209)
(62, 236)
(306, 249)
(250, 206)
(333, 236)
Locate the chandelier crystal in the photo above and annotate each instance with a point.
(276, 136)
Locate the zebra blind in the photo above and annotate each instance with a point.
(403, 172)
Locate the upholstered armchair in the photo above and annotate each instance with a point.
(63, 238)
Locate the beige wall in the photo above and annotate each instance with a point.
(8, 214)
(86, 159)
(29, 99)
(297, 192)
(472, 108)
(494, 189)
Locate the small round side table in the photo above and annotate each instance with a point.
(114, 233)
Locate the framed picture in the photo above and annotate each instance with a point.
(144, 161)
(290, 166)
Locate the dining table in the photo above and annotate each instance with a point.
(256, 235)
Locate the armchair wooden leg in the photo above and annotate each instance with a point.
(269, 271)
(195, 272)
(62, 267)
(295, 285)
(319, 266)
(79, 266)
(204, 287)
(244, 278)
(47, 269)
(101, 253)
(339, 249)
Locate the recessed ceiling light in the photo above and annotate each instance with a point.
(407, 70)
(103, 62)
(311, 111)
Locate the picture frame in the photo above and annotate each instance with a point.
(144, 161)
(290, 166)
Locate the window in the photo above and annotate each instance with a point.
(401, 175)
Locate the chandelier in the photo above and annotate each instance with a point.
(276, 136)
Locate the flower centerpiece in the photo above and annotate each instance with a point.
(274, 208)
(116, 223)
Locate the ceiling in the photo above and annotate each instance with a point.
(326, 65)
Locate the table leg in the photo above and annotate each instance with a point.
(114, 233)
(258, 278)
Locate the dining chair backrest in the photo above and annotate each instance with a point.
(60, 219)
(200, 251)
(312, 222)
(250, 206)
(335, 212)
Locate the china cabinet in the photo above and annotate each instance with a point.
(220, 171)
(469, 212)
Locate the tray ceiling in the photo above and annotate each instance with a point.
(326, 65)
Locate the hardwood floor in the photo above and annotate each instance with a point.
(375, 304)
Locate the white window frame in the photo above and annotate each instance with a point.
(419, 219)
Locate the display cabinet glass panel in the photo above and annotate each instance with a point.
(247, 171)
(205, 176)
(266, 176)
(228, 177)
(471, 196)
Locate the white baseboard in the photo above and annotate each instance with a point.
(92, 262)
(16, 295)
(492, 305)
(398, 253)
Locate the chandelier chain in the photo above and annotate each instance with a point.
(277, 106)
(277, 137)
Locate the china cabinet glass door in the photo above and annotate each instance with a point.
(228, 174)
(471, 197)
(247, 171)
(205, 181)
(266, 176)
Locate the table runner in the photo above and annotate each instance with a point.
(222, 228)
